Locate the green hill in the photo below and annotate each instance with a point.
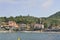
(54, 19)
(55, 16)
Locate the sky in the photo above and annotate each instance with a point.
(37, 8)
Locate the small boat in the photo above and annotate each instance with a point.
(19, 38)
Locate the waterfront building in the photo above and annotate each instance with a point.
(38, 26)
(13, 24)
(23, 27)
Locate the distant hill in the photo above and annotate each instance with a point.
(56, 15)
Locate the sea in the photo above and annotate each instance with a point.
(29, 36)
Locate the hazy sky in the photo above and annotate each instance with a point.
(38, 8)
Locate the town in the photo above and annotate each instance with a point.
(13, 26)
(31, 23)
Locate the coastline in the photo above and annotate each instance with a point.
(37, 32)
(6, 31)
(27, 32)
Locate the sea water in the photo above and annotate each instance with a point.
(29, 36)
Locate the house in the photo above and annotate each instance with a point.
(12, 24)
(38, 26)
(23, 27)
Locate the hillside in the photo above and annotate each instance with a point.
(54, 19)
(56, 15)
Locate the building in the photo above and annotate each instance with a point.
(12, 24)
(38, 26)
(23, 27)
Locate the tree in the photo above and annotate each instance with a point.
(11, 18)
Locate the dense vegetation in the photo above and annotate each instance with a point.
(54, 19)
(56, 15)
(21, 19)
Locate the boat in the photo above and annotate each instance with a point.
(19, 38)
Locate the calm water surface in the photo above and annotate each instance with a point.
(30, 36)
